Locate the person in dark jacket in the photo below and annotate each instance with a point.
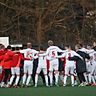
(80, 65)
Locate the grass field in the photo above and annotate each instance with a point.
(52, 91)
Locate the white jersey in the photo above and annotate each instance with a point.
(29, 53)
(28, 64)
(68, 54)
(92, 54)
(52, 52)
(42, 61)
(84, 50)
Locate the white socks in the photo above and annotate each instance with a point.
(28, 79)
(72, 79)
(51, 77)
(24, 78)
(65, 78)
(56, 77)
(89, 78)
(85, 77)
(46, 80)
(62, 78)
(17, 80)
(93, 79)
(11, 79)
(36, 78)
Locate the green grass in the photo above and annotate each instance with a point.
(52, 91)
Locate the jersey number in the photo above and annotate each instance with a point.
(29, 55)
(69, 54)
(53, 54)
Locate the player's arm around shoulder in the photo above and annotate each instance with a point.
(61, 56)
(35, 54)
(76, 54)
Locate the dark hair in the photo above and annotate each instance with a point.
(81, 45)
(67, 46)
(17, 48)
(9, 47)
(2, 46)
(41, 47)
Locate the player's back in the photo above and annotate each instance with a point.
(17, 59)
(26, 52)
(42, 60)
(68, 54)
(53, 52)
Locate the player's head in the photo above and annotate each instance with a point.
(77, 46)
(89, 47)
(41, 47)
(50, 43)
(81, 45)
(2, 46)
(17, 48)
(29, 45)
(94, 44)
(9, 47)
(67, 47)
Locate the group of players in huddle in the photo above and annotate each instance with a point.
(80, 63)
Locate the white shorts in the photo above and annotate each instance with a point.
(88, 67)
(93, 68)
(28, 67)
(15, 70)
(42, 65)
(69, 69)
(43, 69)
(54, 64)
(0, 69)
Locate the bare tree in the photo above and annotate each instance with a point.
(40, 20)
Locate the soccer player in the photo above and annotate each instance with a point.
(15, 67)
(2, 52)
(82, 48)
(42, 65)
(91, 65)
(80, 64)
(52, 52)
(69, 65)
(6, 63)
(28, 64)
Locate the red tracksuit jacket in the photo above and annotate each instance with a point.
(2, 53)
(17, 57)
(7, 59)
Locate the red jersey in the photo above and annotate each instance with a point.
(7, 59)
(2, 53)
(17, 57)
